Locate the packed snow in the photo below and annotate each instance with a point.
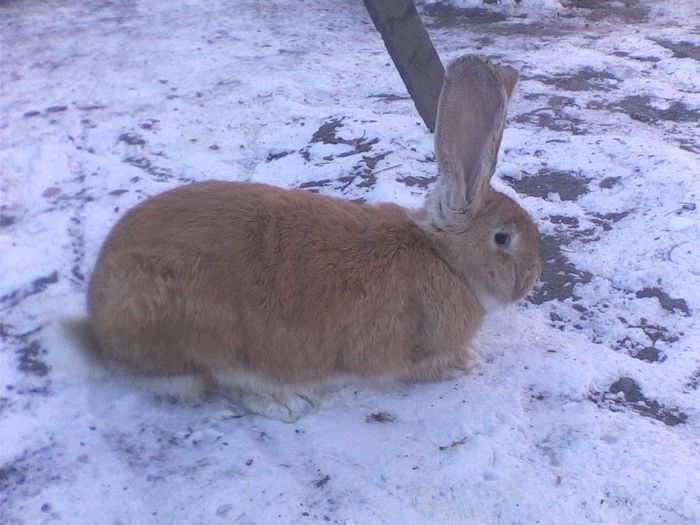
(584, 407)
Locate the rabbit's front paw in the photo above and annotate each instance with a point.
(444, 368)
(465, 363)
(286, 406)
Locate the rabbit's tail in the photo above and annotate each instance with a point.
(183, 387)
(79, 331)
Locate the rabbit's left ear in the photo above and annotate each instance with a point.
(470, 120)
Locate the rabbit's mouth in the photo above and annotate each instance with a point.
(501, 293)
(527, 280)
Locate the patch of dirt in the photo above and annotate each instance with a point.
(639, 108)
(30, 359)
(362, 174)
(693, 381)
(627, 11)
(571, 222)
(559, 276)
(313, 185)
(380, 417)
(568, 229)
(149, 124)
(37, 286)
(637, 344)
(29, 351)
(275, 156)
(420, 182)
(681, 49)
(609, 182)
(586, 79)
(650, 355)
(443, 15)
(328, 134)
(12, 474)
(667, 303)
(569, 185)
(131, 139)
(554, 116)
(24, 477)
(7, 220)
(372, 161)
(158, 173)
(623, 54)
(606, 220)
(632, 398)
(511, 20)
(688, 145)
(5, 402)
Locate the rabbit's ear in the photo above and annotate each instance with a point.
(470, 120)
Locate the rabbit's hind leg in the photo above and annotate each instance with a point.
(138, 317)
(188, 388)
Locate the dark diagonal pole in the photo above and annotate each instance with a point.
(413, 53)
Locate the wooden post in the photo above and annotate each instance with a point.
(413, 53)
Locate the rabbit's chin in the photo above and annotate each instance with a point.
(490, 303)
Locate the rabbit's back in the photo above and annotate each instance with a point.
(289, 285)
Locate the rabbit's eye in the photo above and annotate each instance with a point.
(502, 238)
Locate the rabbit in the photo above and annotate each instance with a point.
(271, 295)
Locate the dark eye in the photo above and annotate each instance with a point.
(502, 238)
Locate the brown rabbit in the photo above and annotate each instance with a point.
(270, 295)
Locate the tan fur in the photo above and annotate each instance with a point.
(271, 294)
(299, 287)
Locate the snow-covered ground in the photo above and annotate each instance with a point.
(585, 407)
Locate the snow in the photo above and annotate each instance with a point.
(585, 405)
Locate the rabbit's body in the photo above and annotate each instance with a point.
(273, 294)
(248, 277)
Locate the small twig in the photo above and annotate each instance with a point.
(669, 254)
(322, 481)
(387, 168)
(454, 444)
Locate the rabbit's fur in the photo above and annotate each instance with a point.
(272, 294)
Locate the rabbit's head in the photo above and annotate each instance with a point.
(485, 237)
